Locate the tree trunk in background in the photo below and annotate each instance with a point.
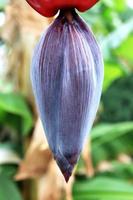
(22, 30)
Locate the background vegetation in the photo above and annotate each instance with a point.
(27, 171)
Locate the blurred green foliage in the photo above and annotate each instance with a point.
(16, 122)
(102, 188)
(112, 135)
(8, 189)
(13, 108)
(112, 23)
(118, 100)
(110, 140)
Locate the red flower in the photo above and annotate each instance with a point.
(49, 8)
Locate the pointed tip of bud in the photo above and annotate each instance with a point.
(66, 165)
(67, 176)
(67, 172)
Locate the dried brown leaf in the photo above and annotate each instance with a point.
(37, 158)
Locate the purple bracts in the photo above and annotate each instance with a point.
(67, 77)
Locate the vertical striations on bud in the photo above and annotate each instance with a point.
(67, 75)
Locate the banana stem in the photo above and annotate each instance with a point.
(67, 14)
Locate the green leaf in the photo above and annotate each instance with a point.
(119, 170)
(8, 189)
(109, 140)
(120, 5)
(107, 132)
(16, 105)
(112, 72)
(8, 170)
(102, 189)
(124, 51)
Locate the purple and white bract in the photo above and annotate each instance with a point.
(67, 76)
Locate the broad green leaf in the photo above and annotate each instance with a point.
(8, 170)
(109, 140)
(102, 189)
(15, 105)
(8, 189)
(110, 131)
